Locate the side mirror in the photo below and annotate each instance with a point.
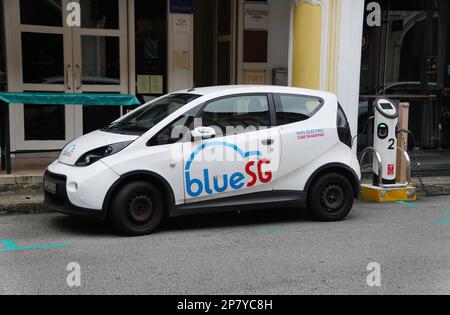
(203, 133)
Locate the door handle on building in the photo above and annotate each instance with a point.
(67, 78)
(78, 76)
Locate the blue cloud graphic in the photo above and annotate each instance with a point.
(221, 143)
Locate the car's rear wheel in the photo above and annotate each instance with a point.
(331, 197)
(137, 209)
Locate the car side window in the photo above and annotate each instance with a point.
(237, 114)
(296, 108)
(178, 130)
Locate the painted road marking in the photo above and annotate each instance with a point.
(10, 246)
(408, 204)
(447, 221)
(271, 230)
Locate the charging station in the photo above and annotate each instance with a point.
(385, 187)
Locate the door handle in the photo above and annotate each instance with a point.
(78, 74)
(267, 142)
(66, 79)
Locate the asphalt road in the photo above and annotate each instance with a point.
(274, 252)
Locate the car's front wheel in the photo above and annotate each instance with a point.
(331, 197)
(137, 209)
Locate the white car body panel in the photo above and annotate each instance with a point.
(224, 159)
(165, 161)
(94, 140)
(92, 183)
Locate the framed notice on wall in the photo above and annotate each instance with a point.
(256, 16)
(255, 77)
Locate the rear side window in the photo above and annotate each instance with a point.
(296, 108)
(343, 127)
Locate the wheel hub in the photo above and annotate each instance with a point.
(332, 197)
(140, 208)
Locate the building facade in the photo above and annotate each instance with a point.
(149, 48)
(407, 57)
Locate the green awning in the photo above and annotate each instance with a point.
(87, 99)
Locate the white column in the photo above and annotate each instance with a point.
(349, 58)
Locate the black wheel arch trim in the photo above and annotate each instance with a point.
(356, 183)
(147, 174)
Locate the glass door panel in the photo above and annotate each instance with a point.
(43, 58)
(44, 122)
(100, 14)
(95, 117)
(41, 12)
(100, 60)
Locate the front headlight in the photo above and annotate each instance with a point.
(95, 155)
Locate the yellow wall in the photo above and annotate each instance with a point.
(307, 41)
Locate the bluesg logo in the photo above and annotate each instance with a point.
(69, 150)
(252, 173)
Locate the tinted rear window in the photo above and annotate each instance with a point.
(296, 108)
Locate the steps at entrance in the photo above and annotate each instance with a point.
(20, 184)
(21, 194)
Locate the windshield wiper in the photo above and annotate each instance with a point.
(126, 127)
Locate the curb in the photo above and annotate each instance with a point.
(31, 206)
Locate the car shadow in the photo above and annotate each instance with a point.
(76, 225)
(235, 219)
(81, 226)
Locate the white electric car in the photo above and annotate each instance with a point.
(228, 148)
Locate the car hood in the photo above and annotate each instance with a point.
(94, 140)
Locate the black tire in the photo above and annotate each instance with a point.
(330, 198)
(137, 209)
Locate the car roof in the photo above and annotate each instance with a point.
(240, 89)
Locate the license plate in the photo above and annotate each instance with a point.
(49, 186)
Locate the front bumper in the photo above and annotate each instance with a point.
(60, 202)
(85, 187)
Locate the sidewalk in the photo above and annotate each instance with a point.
(29, 166)
(432, 163)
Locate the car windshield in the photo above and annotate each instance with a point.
(143, 119)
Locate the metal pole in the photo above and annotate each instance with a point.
(402, 172)
(7, 141)
(2, 139)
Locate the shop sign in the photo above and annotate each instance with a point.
(256, 16)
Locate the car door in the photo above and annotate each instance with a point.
(307, 131)
(165, 157)
(235, 149)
